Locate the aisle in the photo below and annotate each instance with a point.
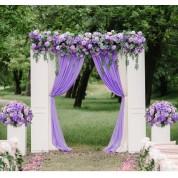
(83, 158)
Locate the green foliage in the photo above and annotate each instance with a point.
(9, 162)
(158, 23)
(18, 159)
(144, 162)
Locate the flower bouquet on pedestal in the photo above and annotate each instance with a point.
(17, 116)
(160, 115)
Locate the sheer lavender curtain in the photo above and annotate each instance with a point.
(109, 74)
(69, 69)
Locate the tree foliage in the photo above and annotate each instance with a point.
(158, 23)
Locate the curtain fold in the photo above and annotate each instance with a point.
(123, 77)
(107, 68)
(69, 69)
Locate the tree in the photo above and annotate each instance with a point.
(15, 24)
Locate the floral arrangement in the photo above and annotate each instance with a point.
(16, 114)
(10, 157)
(161, 113)
(128, 43)
(145, 163)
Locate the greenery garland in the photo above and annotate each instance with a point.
(128, 43)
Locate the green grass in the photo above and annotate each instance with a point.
(93, 124)
(83, 158)
(86, 130)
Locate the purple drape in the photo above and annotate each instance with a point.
(69, 68)
(108, 70)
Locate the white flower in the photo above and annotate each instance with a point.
(6, 146)
(148, 145)
(43, 52)
(48, 32)
(56, 33)
(144, 140)
(15, 140)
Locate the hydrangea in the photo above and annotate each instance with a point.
(16, 114)
(40, 43)
(161, 114)
(129, 43)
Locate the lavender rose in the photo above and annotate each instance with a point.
(161, 114)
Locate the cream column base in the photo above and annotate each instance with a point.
(21, 134)
(160, 134)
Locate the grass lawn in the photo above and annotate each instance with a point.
(83, 158)
(86, 130)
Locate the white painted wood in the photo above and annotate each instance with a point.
(160, 134)
(136, 103)
(21, 134)
(42, 78)
(123, 77)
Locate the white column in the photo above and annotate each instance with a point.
(136, 103)
(123, 77)
(41, 83)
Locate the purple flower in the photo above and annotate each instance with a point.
(84, 43)
(72, 47)
(109, 33)
(33, 46)
(161, 113)
(47, 44)
(113, 47)
(131, 43)
(130, 40)
(143, 39)
(175, 116)
(107, 37)
(15, 114)
(35, 32)
(40, 44)
(89, 46)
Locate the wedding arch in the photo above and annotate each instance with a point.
(119, 60)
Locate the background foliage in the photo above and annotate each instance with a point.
(158, 23)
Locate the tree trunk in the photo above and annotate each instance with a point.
(83, 84)
(151, 58)
(17, 77)
(28, 87)
(74, 91)
(163, 86)
(69, 92)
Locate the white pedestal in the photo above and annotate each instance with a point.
(160, 134)
(21, 134)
